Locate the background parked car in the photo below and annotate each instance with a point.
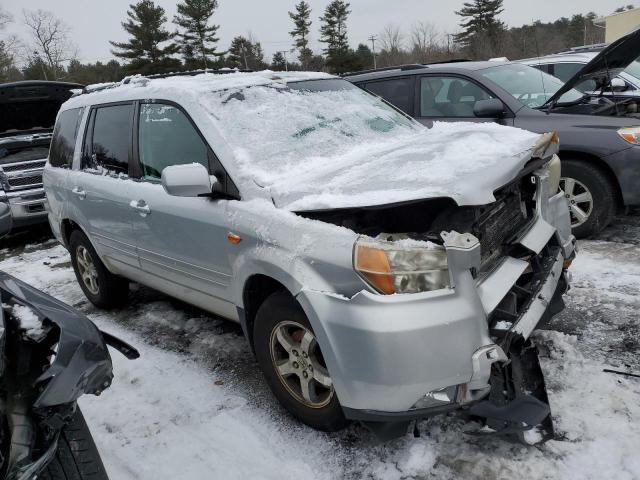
(600, 138)
(565, 65)
(28, 112)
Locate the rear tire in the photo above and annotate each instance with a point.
(100, 286)
(77, 457)
(278, 309)
(580, 177)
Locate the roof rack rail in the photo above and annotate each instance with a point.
(409, 66)
(186, 73)
(596, 47)
(453, 60)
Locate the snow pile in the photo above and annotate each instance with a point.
(29, 321)
(343, 147)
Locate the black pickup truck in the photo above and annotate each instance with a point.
(28, 112)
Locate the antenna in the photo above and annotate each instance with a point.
(535, 37)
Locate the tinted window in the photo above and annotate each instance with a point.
(167, 137)
(564, 71)
(397, 91)
(64, 138)
(449, 97)
(111, 138)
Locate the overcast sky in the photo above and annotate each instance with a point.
(95, 22)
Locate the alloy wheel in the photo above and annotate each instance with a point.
(579, 198)
(87, 270)
(298, 362)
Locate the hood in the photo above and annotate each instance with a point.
(32, 105)
(609, 63)
(466, 162)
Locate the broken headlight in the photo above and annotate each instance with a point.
(554, 168)
(401, 267)
(630, 134)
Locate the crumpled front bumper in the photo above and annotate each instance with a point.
(408, 356)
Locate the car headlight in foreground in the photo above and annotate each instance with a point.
(630, 134)
(401, 267)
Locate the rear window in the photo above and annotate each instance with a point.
(111, 139)
(397, 91)
(64, 138)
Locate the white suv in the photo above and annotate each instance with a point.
(378, 268)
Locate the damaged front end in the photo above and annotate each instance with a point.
(50, 356)
(447, 323)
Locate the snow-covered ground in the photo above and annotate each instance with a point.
(194, 405)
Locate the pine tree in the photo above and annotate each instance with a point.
(144, 50)
(333, 32)
(480, 24)
(302, 23)
(197, 39)
(279, 62)
(245, 54)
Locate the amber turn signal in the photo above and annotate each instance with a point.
(372, 263)
(233, 239)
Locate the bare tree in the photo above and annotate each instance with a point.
(50, 40)
(5, 18)
(425, 41)
(391, 38)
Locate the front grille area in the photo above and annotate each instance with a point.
(33, 180)
(21, 166)
(502, 221)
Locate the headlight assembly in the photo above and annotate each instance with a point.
(555, 172)
(396, 268)
(630, 134)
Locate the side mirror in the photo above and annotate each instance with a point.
(190, 180)
(618, 85)
(492, 108)
(6, 220)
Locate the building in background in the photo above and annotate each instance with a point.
(619, 24)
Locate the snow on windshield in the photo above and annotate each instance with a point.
(339, 147)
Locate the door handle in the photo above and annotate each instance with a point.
(81, 194)
(141, 207)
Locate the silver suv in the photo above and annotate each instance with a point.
(380, 270)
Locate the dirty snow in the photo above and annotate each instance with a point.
(29, 321)
(336, 148)
(194, 405)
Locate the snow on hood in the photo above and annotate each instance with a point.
(341, 147)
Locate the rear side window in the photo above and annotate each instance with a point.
(167, 137)
(109, 146)
(64, 138)
(397, 91)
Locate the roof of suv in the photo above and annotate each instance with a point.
(579, 57)
(401, 70)
(175, 85)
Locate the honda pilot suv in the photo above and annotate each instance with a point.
(27, 113)
(381, 271)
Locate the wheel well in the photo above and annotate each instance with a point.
(256, 290)
(66, 228)
(598, 163)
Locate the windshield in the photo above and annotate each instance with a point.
(634, 69)
(276, 130)
(530, 86)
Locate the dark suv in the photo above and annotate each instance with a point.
(600, 137)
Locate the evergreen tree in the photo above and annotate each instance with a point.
(279, 62)
(333, 32)
(302, 23)
(197, 39)
(245, 54)
(482, 28)
(144, 50)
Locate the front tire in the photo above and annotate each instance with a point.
(290, 358)
(100, 286)
(77, 457)
(591, 196)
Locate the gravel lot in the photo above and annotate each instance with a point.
(195, 405)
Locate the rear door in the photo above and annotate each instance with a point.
(99, 189)
(181, 240)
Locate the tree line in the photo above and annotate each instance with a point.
(190, 41)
